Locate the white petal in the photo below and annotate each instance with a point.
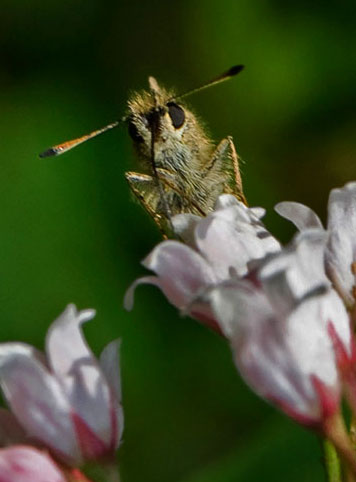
(184, 226)
(258, 212)
(27, 464)
(65, 344)
(300, 215)
(37, 399)
(234, 301)
(79, 372)
(277, 356)
(309, 341)
(182, 272)
(334, 311)
(303, 263)
(110, 364)
(341, 246)
(129, 297)
(231, 238)
(225, 201)
(228, 200)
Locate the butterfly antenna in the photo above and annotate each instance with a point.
(66, 146)
(236, 69)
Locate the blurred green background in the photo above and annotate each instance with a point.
(70, 231)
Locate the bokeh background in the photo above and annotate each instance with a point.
(70, 231)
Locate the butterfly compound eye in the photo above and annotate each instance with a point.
(176, 113)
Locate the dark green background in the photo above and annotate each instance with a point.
(70, 231)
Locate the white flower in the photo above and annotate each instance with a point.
(282, 327)
(218, 247)
(67, 401)
(340, 252)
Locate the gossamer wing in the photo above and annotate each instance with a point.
(183, 171)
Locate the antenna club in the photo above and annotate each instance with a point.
(236, 69)
(49, 153)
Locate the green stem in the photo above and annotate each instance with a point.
(335, 431)
(331, 462)
(104, 470)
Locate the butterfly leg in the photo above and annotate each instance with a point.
(225, 162)
(144, 188)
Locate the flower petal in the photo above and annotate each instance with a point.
(37, 399)
(182, 272)
(79, 373)
(65, 344)
(27, 464)
(230, 238)
(184, 226)
(279, 328)
(277, 356)
(225, 201)
(110, 364)
(129, 297)
(341, 247)
(233, 316)
(300, 215)
(303, 263)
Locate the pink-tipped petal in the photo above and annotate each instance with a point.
(27, 464)
(277, 357)
(65, 344)
(345, 352)
(91, 446)
(37, 399)
(278, 329)
(79, 373)
(329, 399)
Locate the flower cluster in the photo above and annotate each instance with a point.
(288, 314)
(65, 402)
(216, 248)
(340, 250)
(285, 311)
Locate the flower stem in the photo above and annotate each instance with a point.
(335, 431)
(331, 462)
(104, 470)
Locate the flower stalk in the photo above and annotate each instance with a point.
(335, 431)
(331, 462)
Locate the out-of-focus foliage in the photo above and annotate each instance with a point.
(71, 232)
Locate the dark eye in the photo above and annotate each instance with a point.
(176, 113)
(134, 134)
